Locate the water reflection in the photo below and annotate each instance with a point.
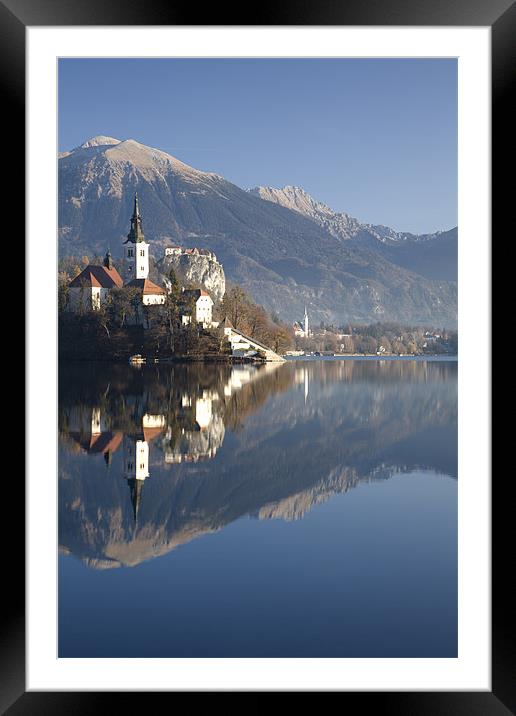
(152, 458)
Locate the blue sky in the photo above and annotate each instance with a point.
(376, 138)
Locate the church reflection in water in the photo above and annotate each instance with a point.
(150, 459)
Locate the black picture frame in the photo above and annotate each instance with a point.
(500, 15)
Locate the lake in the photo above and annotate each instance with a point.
(303, 509)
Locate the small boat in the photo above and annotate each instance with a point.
(136, 359)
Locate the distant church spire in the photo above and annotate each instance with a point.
(135, 235)
(108, 260)
(306, 327)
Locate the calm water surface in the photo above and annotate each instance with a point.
(307, 509)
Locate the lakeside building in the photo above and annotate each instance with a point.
(203, 307)
(90, 289)
(87, 427)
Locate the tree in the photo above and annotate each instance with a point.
(135, 300)
(174, 289)
(147, 315)
(121, 304)
(385, 342)
(366, 344)
(280, 339)
(348, 345)
(235, 305)
(257, 321)
(63, 292)
(331, 342)
(104, 314)
(171, 308)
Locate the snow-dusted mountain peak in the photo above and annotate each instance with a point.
(293, 197)
(340, 225)
(98, 141)
(116, 155)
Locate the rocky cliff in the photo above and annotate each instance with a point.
(197, 269)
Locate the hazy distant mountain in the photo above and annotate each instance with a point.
(284, 254)
(431, 255)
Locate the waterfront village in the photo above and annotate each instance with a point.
(110, 314)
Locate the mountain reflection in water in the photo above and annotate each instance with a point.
(150, 459)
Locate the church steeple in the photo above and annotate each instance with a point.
(136, 251)
(135, 235)
(306, 327)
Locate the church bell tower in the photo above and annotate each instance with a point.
(136, 249)
(136, 468)
(306, 326)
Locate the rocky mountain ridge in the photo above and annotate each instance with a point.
(432, 255)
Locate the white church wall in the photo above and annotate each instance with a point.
(153, 299)
(80, 299)
(136, 458)
(136, 260)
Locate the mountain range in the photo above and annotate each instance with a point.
(284, 247)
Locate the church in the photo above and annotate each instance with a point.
(90, 289)
(302, 329)
(136, 261)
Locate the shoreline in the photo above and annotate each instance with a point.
(374, 356)
(242, 361)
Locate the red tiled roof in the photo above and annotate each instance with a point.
(98, 443)
(195, 292)
(98, 276)
(151, 433)
(146, 286)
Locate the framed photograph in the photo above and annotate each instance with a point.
(255, 252)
